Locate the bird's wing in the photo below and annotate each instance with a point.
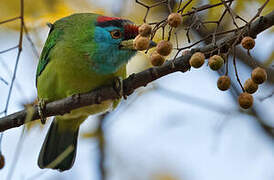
(53, 37)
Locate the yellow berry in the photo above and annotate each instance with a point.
(250, 86)
(248, 42)
(174, 19)
(156, 59)
(199, 54)
(215, 62)
(259, 75)
(2, 161)
(197, 60)
(141, 43)
(245, 100)
(164, 48)
(223, 83)
(145, 30)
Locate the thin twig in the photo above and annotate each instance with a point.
(34, 49)
(185, 6)
(18, 54)
(205, 7)
(236, 71)
(9, 49)
(229, 10)
(10, 20)
(4, 81)
(259, 12)
(149, 7)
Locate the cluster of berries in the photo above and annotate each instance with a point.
(164, 48)
(215, 62)
(258, 75)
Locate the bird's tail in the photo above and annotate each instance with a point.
(59, 148)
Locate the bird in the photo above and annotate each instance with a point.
(82, 52)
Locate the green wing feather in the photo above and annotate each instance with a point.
(53, 37)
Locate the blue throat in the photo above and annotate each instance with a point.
(107, 57)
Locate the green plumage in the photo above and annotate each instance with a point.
(71, 63)
(50, 43)
(57, 142)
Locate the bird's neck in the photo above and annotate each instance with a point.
(108, 59)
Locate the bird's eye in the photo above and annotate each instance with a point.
(116, 34)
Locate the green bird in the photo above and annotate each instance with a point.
(82, 52)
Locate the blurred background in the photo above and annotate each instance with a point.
(180, 127)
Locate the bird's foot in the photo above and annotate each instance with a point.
(41, 109)
(118, 86)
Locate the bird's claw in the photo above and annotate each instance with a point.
(118, 86)
(41, 108)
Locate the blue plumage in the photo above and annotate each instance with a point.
(108, 49)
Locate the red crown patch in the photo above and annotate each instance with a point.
(131, 31)
(101, 19)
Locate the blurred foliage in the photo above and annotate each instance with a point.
(34, 11)
(188, 8)
(241, 6)
(37, 13)
(214, 13)
(270, 60)
(87, 135)
(91, 133)
(163, 176)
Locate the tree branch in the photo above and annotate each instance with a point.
(134, 81)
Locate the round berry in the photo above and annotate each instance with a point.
(223, 83)
(145, 30)
(156, 59)
(215, 62)
(259, 75)
(164, 48)
(197, 60)
(245, 100)
(250, 86)
(2, 161)
(141, 43)
(174, 19)
(248, 42)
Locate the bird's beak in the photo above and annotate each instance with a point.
(128, 44)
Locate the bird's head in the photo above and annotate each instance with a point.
(116, 31)
(114, 40)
